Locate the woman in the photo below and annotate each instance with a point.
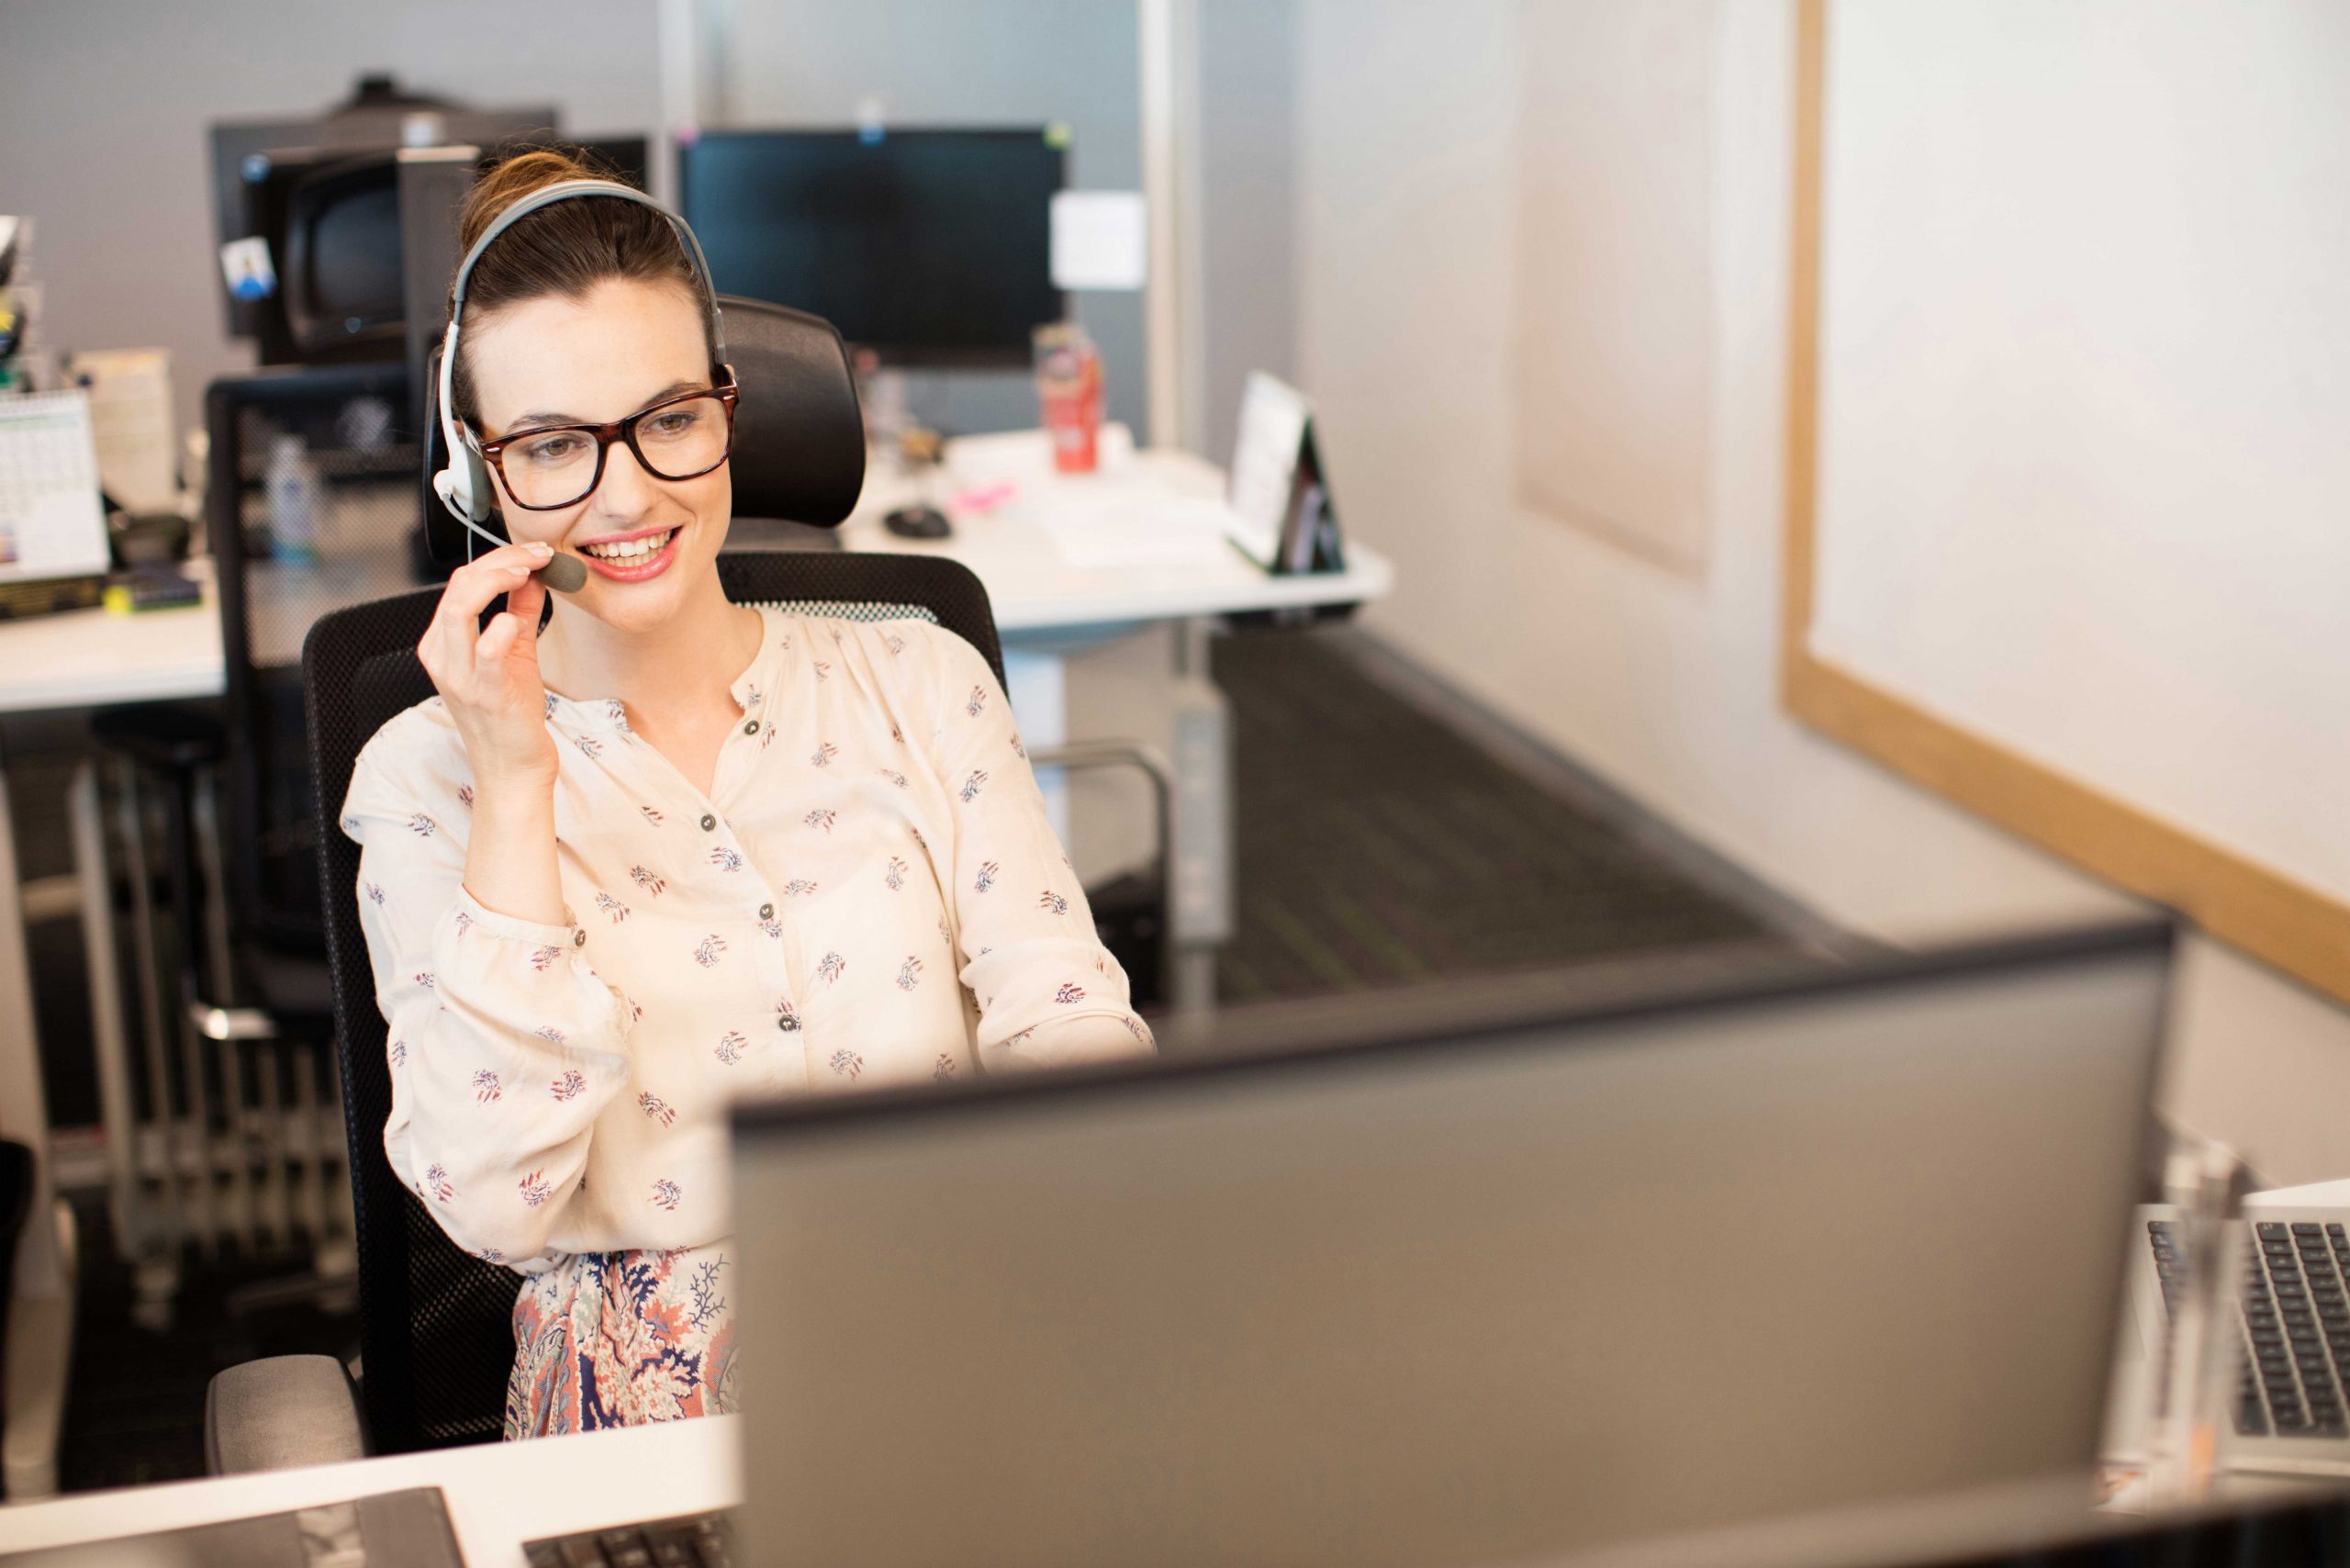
(669, 850)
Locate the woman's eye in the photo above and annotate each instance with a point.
(554, 448)
(675, 421)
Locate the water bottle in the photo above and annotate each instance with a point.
(295, 500)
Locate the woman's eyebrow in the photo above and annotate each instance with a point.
(541, 417)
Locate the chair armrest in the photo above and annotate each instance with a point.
(280, 1413)
(225, 1023)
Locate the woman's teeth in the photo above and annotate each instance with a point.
(642, 549)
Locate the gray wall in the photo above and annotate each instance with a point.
(105, 106)
(1248, 197)
(104, 109)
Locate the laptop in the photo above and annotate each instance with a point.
(1426, 1286)
(2290, 1416)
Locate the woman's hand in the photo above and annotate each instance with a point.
(490, 679)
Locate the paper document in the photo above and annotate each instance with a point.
(1137, 529)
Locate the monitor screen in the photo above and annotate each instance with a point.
(930, 247)
(628, 157)
(342, 255)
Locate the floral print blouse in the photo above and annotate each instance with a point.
(870, 894)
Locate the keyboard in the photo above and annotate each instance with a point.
(2295, 1320)
(689, 1541)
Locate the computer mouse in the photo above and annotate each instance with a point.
(917, 523)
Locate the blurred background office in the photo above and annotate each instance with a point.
(1530, 264)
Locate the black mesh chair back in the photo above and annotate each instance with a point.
(435, 1322)
(308, 508)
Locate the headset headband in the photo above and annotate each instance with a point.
(566, 190)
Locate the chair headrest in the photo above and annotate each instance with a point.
(798, 436)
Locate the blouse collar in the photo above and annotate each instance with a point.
(750, 689)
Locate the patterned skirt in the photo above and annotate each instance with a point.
(622, 1339)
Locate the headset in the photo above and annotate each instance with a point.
(464, 486)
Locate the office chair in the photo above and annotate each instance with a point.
(436, 1323)
(239, 899)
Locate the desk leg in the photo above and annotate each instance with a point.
(1036, 684)
(1201, 858)
(110, 1039)
(40, 1319)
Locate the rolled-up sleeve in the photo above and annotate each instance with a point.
(504, 1043)
(1049, 992)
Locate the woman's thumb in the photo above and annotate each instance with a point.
(528, 602)
(499, 640)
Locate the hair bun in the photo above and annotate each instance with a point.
(511, 179)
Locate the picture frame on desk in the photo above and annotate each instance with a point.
(1281, 514)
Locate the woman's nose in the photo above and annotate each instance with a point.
(628, 492)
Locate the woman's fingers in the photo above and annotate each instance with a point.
(526, 601)
(448, 645)
(498, 642)
(456, 620)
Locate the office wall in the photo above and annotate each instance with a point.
(1247, 61)
(105, 110)
(1664, 684)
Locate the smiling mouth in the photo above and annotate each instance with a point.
(629, 552)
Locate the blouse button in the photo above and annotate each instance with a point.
(708, 822)
(579, 939)
(767, 911)
(786, 1024)
(751, 728)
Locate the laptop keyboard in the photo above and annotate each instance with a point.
(691, 1541)
(2296, 1321)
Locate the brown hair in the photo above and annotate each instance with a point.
(566, 249)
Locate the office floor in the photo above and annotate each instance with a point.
(1378, 846)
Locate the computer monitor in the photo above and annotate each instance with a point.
(334, 227)
(1447, 1289)
(626, 158)
(256, 167)
(932, 248)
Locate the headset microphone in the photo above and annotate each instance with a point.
(562, 573)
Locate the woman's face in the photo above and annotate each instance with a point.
(625, 346)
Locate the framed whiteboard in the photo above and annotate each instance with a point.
(2068, 439)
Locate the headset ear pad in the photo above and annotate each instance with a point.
(448, 538)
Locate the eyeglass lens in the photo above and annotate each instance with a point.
(676, 441)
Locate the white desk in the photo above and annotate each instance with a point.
(1034, 587)
(499, 1495)
(1044, 604)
